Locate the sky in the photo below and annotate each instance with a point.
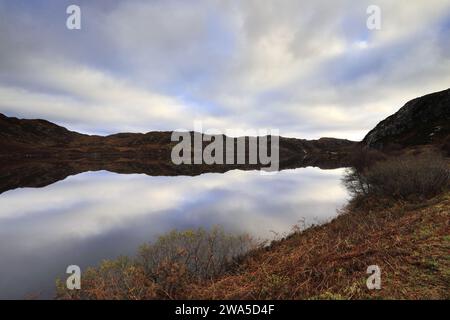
(307, 68)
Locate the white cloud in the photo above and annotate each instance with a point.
(85, 97)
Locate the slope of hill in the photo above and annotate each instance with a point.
(424, 120)
(409, 242)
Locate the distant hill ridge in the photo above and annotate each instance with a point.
(424, 120)
(40, 138)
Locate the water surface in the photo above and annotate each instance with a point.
(99, 215)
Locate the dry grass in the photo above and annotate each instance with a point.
(410, 244)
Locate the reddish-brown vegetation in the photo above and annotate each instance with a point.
(409, 242)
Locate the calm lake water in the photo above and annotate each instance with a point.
(99, 215)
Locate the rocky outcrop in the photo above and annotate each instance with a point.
(424, 120)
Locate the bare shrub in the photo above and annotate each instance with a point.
(406, 177)
(356, 182)
(200, 253)
(113, 279)
(364, 157)
(163, 269)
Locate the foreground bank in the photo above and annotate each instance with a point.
(409, 242)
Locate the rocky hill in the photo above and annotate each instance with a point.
(424, 120)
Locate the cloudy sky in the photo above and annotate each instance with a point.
(307, 68)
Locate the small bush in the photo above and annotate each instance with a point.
(117, 279)
(163, 269)
(364, 157)
(195, 254)
(406, 177)
(355, 181)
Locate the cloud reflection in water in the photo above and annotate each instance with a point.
(100, 215)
